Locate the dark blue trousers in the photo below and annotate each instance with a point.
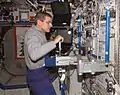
(40, 82)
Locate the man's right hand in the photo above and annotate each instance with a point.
(58, 39)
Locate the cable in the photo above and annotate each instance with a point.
(71, 73)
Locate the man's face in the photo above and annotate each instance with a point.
(46, 24)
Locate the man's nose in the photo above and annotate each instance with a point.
(51, 25)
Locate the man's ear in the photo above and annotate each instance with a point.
(39, 22)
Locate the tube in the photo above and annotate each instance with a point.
(107, 37)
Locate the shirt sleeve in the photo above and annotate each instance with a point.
(36, 50)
